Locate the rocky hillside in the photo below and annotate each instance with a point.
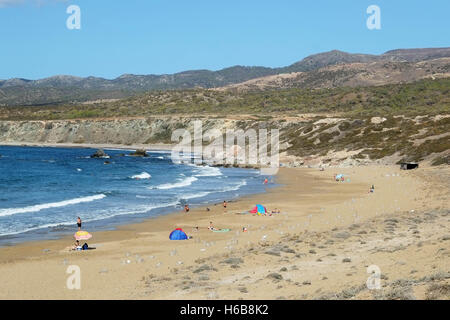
(70, 89)
(351, 75)
(308, 140)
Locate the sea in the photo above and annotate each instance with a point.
(44, 189)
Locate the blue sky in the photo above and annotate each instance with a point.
(168, 36)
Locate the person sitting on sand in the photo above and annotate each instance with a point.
(76, 245)
(276, 210)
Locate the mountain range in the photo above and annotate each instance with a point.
(317, 69)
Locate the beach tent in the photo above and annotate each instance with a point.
(259, 209)
(178, 234)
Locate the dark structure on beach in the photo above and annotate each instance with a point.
(409, 165)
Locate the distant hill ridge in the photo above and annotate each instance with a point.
(71, 89)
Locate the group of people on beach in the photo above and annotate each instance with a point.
(187, 209)
(77, 245)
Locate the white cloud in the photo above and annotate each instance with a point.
(38, 3)
(8, 3)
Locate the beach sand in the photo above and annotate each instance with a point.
(319, 247)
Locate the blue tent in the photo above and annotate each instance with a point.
(178, 234)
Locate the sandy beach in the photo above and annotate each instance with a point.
(216, 154)
(320, 246)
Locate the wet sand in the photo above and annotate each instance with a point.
(319, 246)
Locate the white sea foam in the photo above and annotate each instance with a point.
(143, 175)
(99, 216)
(194, 195)
(209, 172)
(160, 151)
(181, 183)
(39, 207)
(236, 187)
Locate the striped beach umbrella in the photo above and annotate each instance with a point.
(82, 235)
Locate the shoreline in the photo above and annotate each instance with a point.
(149, 147)
(137, 261)
(8, 253)
(68, 236)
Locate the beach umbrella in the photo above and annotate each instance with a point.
(82, 235)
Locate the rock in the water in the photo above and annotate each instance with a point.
(139, 153)
(100, 154)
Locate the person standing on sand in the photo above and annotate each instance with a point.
(186, 208)
(79, 223)
(225, 205)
